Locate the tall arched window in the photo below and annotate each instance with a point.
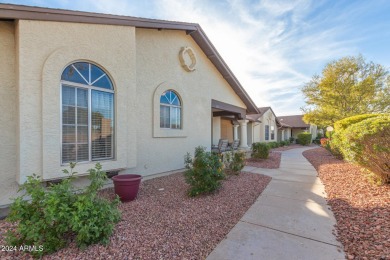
(170, 110)
(87, 111)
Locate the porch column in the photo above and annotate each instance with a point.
(235, 132)
(244, 139)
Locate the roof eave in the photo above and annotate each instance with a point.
(211, 52)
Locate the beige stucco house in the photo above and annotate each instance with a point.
(134, 94)
(291, 126)
(262, 127)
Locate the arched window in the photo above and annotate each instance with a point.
(170, 110)
(87, 111)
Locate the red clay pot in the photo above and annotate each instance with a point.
(126, 186)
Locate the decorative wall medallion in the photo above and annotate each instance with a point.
(187, 58)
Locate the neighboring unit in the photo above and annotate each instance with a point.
(293, 125)
(263, 127)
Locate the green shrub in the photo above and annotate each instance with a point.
(234, 161)
(260, 150)
(94, 217)
(274, 144)
(367, 143)
(347, 122)
(291, 139)
(317, 141)
(304, 138)
(337, 137)
(56, 214)
(204, 172)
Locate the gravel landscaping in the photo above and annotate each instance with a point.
(362, 209)
(164, 223)
(272, 162)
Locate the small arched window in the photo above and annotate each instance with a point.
(87, 111)
(170, 110)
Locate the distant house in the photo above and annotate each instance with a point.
(134, 94)
(291, 126)
(262, 127)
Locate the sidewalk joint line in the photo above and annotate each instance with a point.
(296, 181)
(305, 200)
(289, 233)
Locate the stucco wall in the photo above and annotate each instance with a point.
(140, 62)
(258, 134)
(284, 134)
(45, 49)
(158, 62)
(296, 131)
(8, 115)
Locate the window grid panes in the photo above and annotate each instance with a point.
(170, 110)
(266, 132)
(272, 132)
(87, 114)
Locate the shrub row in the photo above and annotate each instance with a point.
(206, 170)
(365, 140)
(261, 150)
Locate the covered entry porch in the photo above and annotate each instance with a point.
(228, 122)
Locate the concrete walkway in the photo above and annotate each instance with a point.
(289, 220)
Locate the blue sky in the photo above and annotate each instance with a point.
(273, 47)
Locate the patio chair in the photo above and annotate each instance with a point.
(221, 147)
(234, 145)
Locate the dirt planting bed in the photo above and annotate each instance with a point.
(362, 209)
(164, 223)
(272, 162)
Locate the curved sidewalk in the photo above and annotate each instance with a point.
(289, 220)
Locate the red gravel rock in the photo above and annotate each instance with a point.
(362, 209)
(167, 224)
(272, 162)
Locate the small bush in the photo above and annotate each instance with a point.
(204, 172)
(54, 215)
(260, 150)
(291, 139)
(324, 141)
(234, 161)
(317, 141)
(272, 144)
(367, 143)
(304, 138)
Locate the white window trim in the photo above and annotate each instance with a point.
(159, 132)
(89, 88)
(172, 106)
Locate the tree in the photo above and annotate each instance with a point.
(347, 87)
